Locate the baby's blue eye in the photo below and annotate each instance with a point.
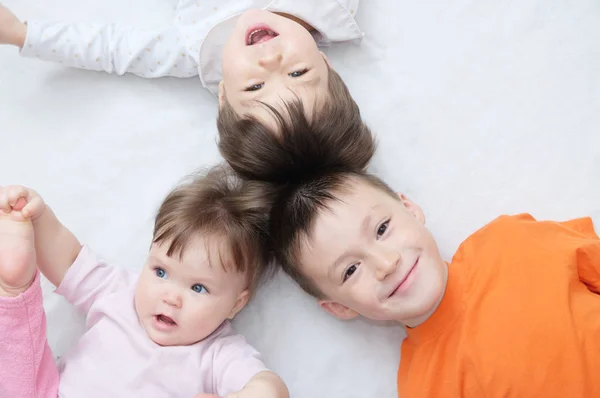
(161, 273)
(198, 288)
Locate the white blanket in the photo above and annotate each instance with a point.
(480, 108)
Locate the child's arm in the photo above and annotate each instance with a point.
(238, 372)
(12, 31)
(56, 247)
(264, 385)
(110, 48)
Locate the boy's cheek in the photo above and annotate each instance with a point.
(363, 302)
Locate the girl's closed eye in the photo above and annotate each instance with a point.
(349, 272)
(161, 273)
(382, 229)
(198, 288)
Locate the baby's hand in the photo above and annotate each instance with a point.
(12, 31)
(28, 201)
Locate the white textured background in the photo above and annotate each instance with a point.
(480, 107)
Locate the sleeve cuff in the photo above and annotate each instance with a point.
(32, 39)
(73, 273)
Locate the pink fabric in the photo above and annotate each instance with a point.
(27, 368)
(115, 357)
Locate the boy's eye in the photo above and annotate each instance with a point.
(351, 270)
(298, 73)
(198, 288)
(255, 87)
(161, 273)
(382, 228)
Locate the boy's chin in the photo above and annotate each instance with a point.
(419, 313)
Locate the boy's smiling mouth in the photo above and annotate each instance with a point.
(402, 284)
(259, 34)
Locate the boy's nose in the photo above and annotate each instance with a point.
(271, 61)
(386, 264)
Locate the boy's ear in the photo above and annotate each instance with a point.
(413, 208)
(338, 310)
(326, 59)
(221, 94)
(240, 303)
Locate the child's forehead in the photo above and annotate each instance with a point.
(310, 95)
(355, 205)
(356, 194)
(200, 252)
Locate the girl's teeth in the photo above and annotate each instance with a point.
(268, 33)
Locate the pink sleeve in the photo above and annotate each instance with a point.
(90, 279)
(235, 362)
(27, 367)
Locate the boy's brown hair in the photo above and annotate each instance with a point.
(257, 151)
(218, 203)
(296, 209)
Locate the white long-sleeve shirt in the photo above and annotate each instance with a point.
(192, 44)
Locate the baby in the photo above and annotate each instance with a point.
(251, 54)
(162, 333)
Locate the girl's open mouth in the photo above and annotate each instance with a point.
(163, 322)
(259, 34)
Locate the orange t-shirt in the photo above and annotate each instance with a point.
(520, 317)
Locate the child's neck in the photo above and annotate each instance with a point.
(298, 20)
(413, 323)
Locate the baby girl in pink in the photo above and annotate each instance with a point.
(162, 333)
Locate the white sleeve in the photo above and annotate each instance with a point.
(350, 5)
(111, 48)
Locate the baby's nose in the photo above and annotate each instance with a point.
(173, 299)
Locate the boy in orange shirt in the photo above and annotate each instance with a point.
(516, 313)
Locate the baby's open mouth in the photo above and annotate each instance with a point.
(260, 34)
(166, 320)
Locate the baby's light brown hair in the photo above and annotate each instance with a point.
(219, 204)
